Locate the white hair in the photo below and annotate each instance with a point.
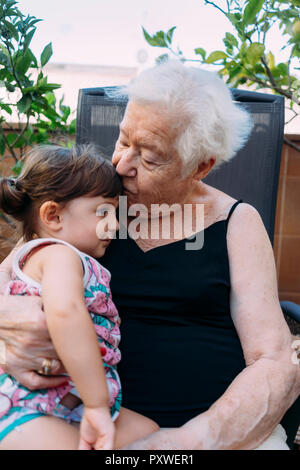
(210, 123)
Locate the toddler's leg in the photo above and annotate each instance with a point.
(44, 433)
(132, 426)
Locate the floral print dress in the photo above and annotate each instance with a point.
(19, 404)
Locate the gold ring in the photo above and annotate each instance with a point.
(46, 367)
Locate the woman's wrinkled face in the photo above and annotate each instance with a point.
(146, 159)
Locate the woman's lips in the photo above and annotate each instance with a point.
(126, 190)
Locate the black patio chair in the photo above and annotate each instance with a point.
(252, 175)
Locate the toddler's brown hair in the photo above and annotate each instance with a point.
(59, 174)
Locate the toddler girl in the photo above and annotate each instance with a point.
(66, 200)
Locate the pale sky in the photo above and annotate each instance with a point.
(108, 32)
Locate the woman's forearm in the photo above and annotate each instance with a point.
(6, 305)
(5, 269)
(247, 413)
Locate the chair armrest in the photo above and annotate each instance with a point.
(291, 309)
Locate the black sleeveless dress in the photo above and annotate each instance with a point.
(180, 350)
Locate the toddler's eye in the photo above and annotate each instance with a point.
(106, 210)
(102, 211)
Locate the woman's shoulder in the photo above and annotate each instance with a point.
(224, 203)
(245, 230)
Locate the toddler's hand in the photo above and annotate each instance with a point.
(97, 430)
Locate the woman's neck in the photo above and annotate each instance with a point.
(187, 218)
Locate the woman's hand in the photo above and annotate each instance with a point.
(165, 439)
(97, 430)
(23, 329)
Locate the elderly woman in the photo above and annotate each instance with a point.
(206, 350)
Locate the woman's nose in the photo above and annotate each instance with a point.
(115, 158)
(124, 163)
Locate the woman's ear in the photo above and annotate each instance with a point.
(51, 215)
(204, 168)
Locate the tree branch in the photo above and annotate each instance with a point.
(216, 6)
(274, 85)
(22, 133)
(9, 146)
(13, 68)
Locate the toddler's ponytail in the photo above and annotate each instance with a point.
(59, 174)
(13, 198)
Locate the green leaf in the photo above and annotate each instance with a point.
(28, 39)
(162, 58)
(12, 30)
(24, 104)
(11, 138)
(283, 68)
(259, 70)
(216, 55)
(160, 37)
(295, 51)
(43, 86)
(252, 9)
(65, 110)
(6, 108)
(28, 133)
(200, 51)
(255, 52)
(21, 142)
(72, 127)
(10, 87)
(270, 60)
(33, 22)
(2, 145)
(230, 40)
(4, 59)
(235, 19)
(157, 40)
(46, 54)
(51, 86)
(17, 168)
(169, 34)
(34, 63)
(234, 71)
(23, 62)
(50, 97)
(69, 144)
(148, 37)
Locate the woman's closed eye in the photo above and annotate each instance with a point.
(149, 162)
(123, 143)
(147, 157)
